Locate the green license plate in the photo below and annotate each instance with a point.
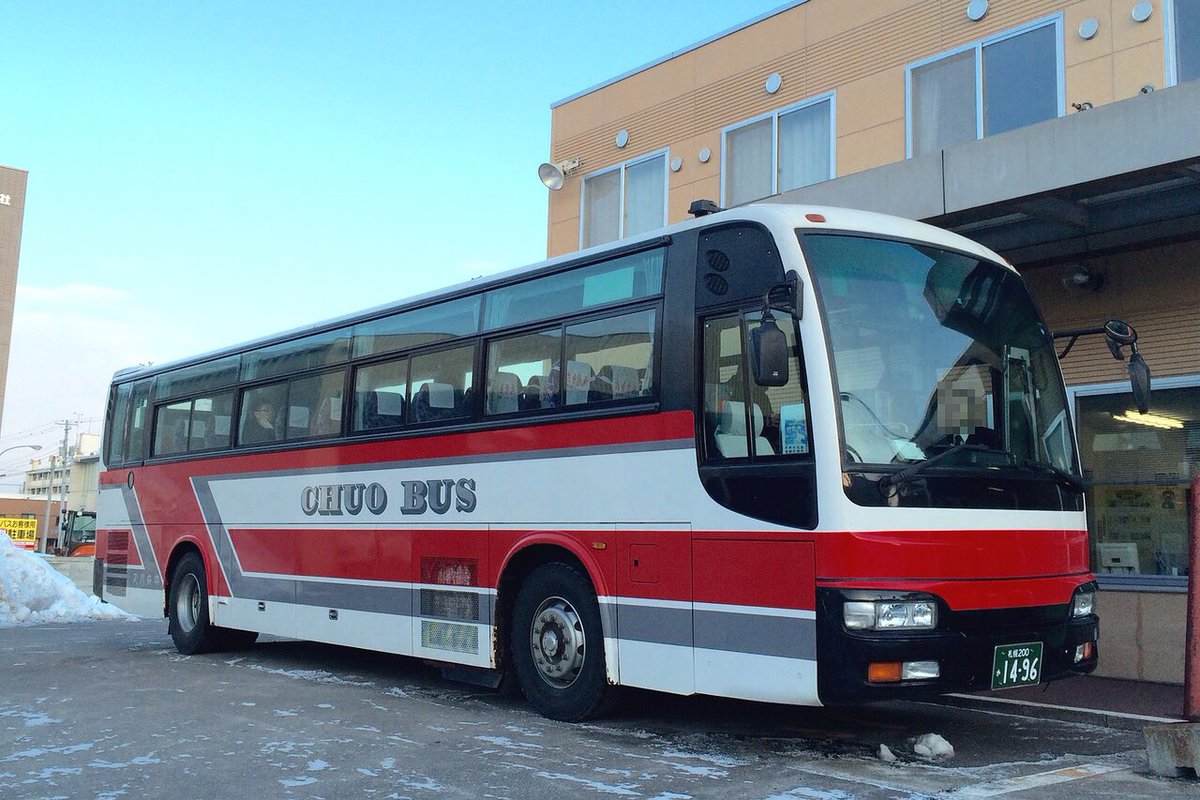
(1017, 665)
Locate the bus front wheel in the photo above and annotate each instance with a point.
(558, 645)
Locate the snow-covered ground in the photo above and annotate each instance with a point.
(32, 592)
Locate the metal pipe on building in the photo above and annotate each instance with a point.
(1191, 646)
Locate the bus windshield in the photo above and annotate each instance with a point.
(932, 350)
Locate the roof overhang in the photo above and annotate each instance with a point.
(1119, 177)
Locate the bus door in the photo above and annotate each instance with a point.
(754, 584)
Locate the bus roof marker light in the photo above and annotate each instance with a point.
(814, 217)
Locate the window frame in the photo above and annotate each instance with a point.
(242, 389)
(1170, 42)
(664, 153)
(1055, 20)
(161, 404)
(1141, 582)
(826, 97)
(653, 304)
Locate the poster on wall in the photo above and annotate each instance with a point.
(1142, 529)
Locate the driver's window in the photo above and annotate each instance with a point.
(741, 418)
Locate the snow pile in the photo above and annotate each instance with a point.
(886, 754)
(32, 592)
(933, 746)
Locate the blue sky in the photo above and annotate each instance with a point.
(206, 173)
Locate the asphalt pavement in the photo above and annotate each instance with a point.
(110, 709)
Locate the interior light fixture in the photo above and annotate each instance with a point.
(1150, 420)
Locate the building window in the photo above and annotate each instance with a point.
(1138, 471)
(1183, 41)
(624, 200)
(995, 85)
(788, 149)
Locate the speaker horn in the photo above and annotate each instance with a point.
(553, 176)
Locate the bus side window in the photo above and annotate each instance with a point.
(741, 418)
(139, 422)
(118, 425)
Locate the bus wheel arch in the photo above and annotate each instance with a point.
(186, 606)
(178, 554)
(553, 566)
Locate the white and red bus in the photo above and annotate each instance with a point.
(790, 454)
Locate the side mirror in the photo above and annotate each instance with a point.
(769, 353)
(1139, 380)
(1118, 334)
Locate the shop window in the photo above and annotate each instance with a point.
(624, 200)
(1138, 470)
(786, 150)
(995, 85)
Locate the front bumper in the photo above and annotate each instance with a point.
(963, 644)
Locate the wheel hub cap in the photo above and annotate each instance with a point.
(557, 642)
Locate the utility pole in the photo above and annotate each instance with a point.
(67, 461)
(45, 535)
(43, 538)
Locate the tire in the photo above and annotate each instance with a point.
(187, 609)
(557, 645)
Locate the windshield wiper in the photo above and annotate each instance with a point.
(908, 473)
(1064, 478)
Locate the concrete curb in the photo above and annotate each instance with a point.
(1118, 720)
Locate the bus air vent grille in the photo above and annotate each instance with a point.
(449, 636)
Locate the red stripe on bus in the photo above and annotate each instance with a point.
(981, 595)
(609, 432)
(962, 554)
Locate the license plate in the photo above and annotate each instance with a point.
(1017, 665)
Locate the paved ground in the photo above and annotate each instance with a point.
(110, 710)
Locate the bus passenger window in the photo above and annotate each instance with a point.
(262, 414)
(610, 358)
(529, 358)
(171, 428)
(439, 383)
(315, 405)
(379, 395)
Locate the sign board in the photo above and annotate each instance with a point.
(22, 530)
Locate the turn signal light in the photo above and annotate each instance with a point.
(1084, 651)
(883, 672)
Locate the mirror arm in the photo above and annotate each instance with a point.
(1074, 333)
(793, 285)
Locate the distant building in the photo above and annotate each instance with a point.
(77, 482)
(12, 213)
(1063, 134)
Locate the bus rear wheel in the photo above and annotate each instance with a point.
(558, 645)
(187, 609)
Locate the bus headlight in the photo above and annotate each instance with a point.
(1083, 604)
(881, 615)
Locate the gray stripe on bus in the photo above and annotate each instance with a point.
(760, 634)
(736, 632)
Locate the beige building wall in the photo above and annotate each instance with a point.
(859, 51)
(1165, 311)
(12, 213)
